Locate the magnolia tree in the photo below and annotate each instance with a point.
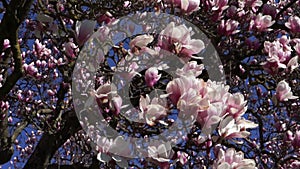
(149, 84)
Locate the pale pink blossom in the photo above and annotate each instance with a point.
(219, 5)
(262, 22)
(228, 28)
(294, 138)
(140, 42)
(113, 150)
(106, 95)
(182, 157)
(161, 153)
(106, 18)
(129, 72)
(216, 92)
(40, 50)
(6, 44)
(30, 69)
(84, 29)
(10, 119)
(293, 63)
(116, 104)
(152, 76)
(283, 91)
(189, 104)
(209, 118)
(103, 34)
(272, 65)
(190, 68)
(179, 86)
(295, 164)
(4, 105)
(177, 39)
(230, 159)
(297, 48)
(230, 128)
(293, 24)
(50, 92)
(279, 53)
(236, 105)
(253, 4)
(127, 4)
(1, 79)
(71, 49)
(152, 111)
(187, 6)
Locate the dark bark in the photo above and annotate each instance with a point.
(49, 143)
(15, 14)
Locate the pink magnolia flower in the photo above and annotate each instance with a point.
(219, 5)
(279, 53)
(6, 44)
(106, 18)
(295, 164)
(261, 22)
(152, 76)
(129, 72)
(71, 49)
(293, 63)
(228, 28)
(296, 140)
(127, 4)
(182, 157)
(103, 34)
(4, 105)
(113, 150)
(105, 95)
(230, 128)
(236, 105)
(283, 91)
(140, 42)
(189, 104)
(1, 79)
(161, 153)
(152, 111)
(179, 86)
(115, 104)
(293, 24)
(50, 92)
(231, 159)
(209, 118)
(272, 65)
(84, 29)
(216, 92)
(253, 4)
(177, 39)
(30, 69)
(40, 50)
(190, 68)
(297, 48)
(187, 6)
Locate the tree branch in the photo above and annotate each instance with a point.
(14, 15)
(49, 143)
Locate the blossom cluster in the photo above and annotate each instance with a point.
(280, 55)
(209, 104)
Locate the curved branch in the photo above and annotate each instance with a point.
(49, 143)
